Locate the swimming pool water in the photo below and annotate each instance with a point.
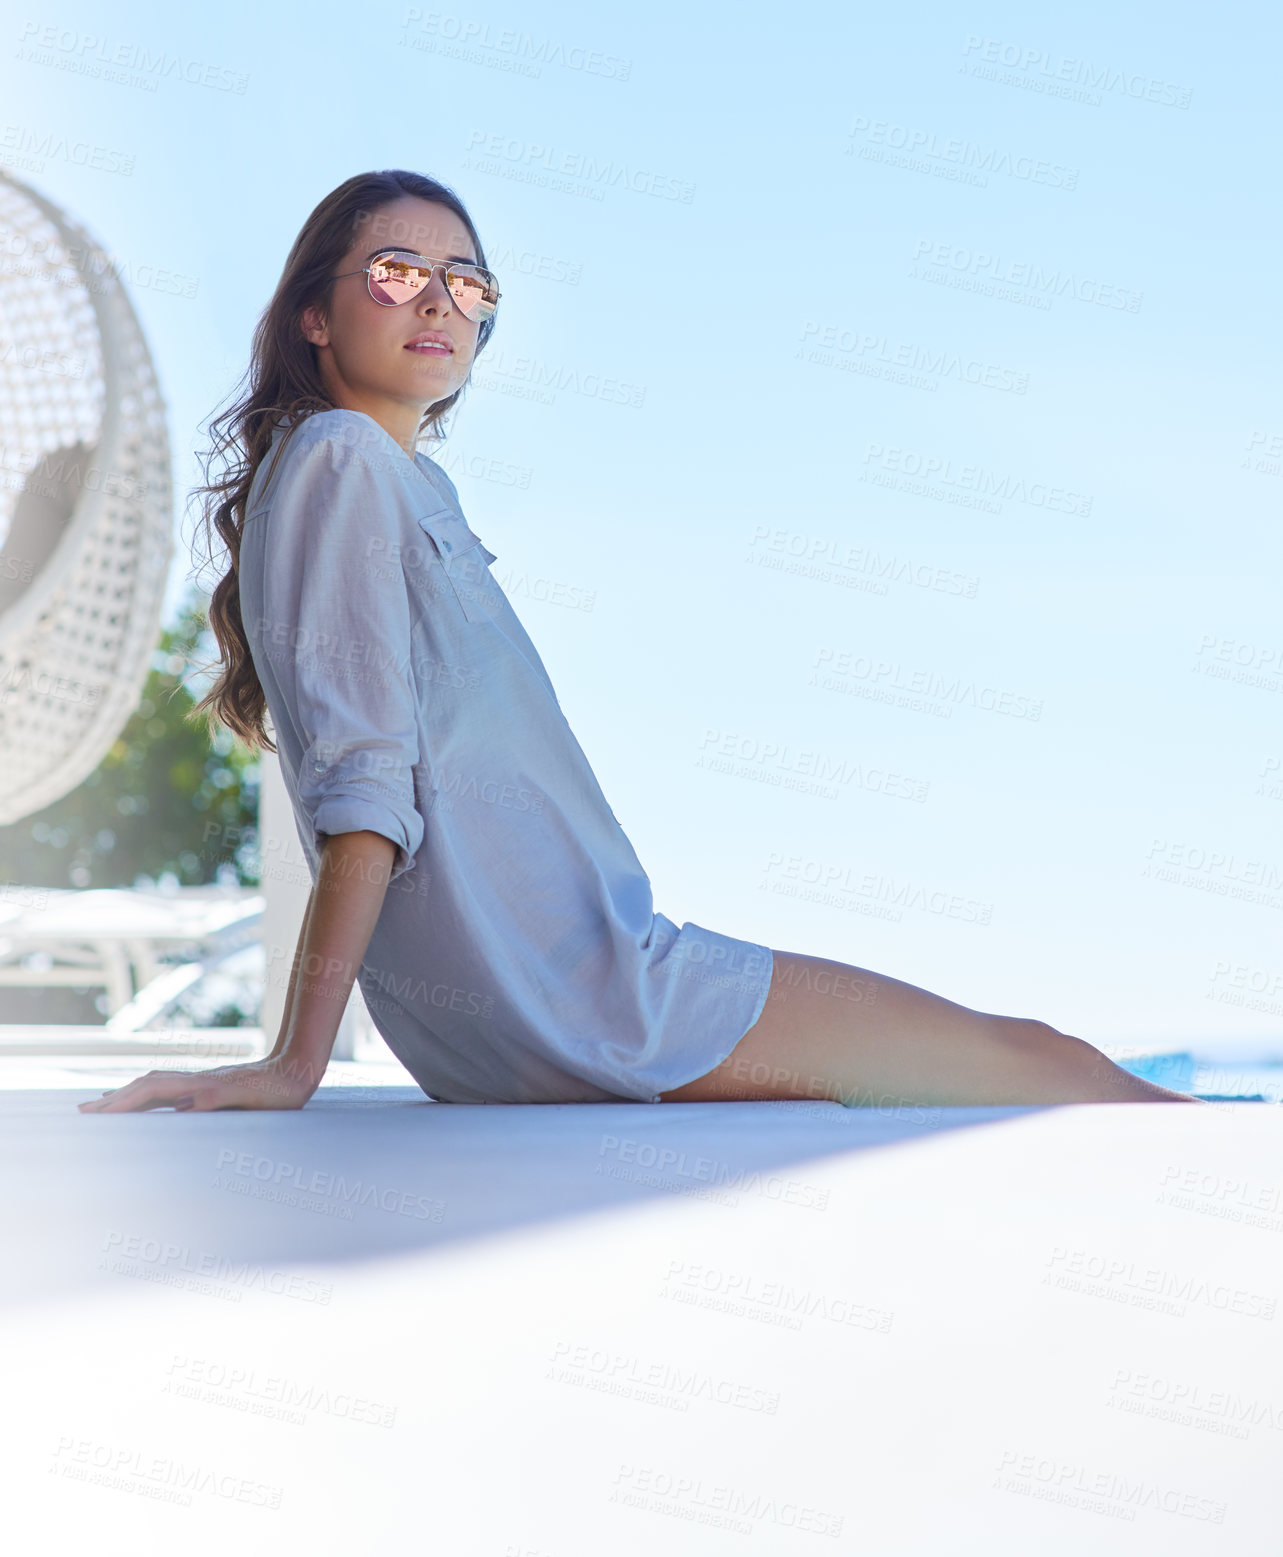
(1218, 1079)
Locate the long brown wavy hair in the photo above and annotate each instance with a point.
(285, 380)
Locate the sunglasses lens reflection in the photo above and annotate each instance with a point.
(396, 279)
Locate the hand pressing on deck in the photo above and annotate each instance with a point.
(262, 1084)
(341, 914)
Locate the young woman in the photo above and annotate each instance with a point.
(466, 866)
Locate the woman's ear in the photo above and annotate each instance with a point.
(314, 327)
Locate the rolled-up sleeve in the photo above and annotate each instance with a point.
(336, 625)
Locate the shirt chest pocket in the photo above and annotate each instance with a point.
(463, 574)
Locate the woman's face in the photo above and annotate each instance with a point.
(363, 350)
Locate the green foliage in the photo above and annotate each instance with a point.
(165, 800)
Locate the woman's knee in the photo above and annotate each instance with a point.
(1029, 1032)
(1046, 1045)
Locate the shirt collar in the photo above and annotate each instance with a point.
(463, 536)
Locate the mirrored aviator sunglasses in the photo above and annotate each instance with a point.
(395, 276)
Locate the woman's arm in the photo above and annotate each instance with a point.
(335, 622)
(343, 909)
(276, 1048)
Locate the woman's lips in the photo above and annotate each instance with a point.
(430, 349)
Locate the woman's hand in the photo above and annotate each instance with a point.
(271, 1083)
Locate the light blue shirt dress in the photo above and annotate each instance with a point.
(518, 957)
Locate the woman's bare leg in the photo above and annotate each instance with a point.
(830, 1030)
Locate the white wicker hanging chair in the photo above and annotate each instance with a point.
(85, 503)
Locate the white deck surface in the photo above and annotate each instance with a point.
(612, 1329)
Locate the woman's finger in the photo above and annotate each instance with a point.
(101, 1100)
(157, 1089)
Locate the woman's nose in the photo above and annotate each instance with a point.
(436, 291)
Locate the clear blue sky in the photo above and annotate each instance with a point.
(977, 311)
